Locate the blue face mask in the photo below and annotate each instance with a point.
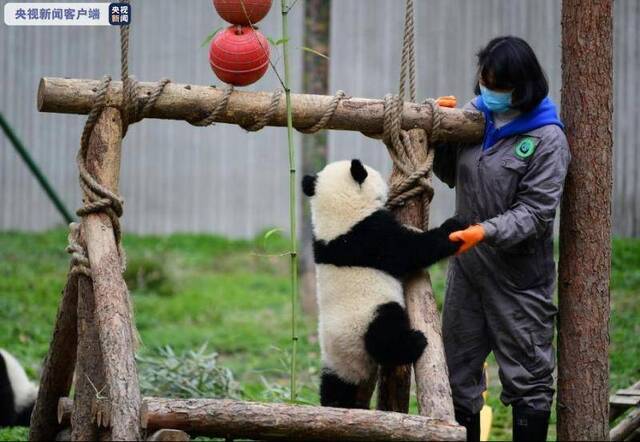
(496, 101)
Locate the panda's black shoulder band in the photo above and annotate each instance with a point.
(379, 241)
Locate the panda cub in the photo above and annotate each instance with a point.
(362, 253)
(17, 393)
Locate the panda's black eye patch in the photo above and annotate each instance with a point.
(309, 185)
(358, 172)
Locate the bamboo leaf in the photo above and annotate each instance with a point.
(270, 233)
(313, 51)
(210, 37)
(279, 42)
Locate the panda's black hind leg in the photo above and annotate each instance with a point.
(334, 392)
(390, 340)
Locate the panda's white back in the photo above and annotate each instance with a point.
(347, 300)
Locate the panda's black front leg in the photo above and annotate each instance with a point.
(435, 244)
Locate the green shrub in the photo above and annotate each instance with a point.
(192, 374)
(151, 274)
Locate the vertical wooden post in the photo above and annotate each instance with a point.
(431, 374)
(585, 229)
(90, 381)
(112, 307)
(57, 374)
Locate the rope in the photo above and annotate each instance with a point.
(218, 108)
(408, 63)
(416, 181)
(328, 114)
(264, 119)
(79, 261)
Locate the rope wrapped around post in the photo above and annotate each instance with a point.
(417, 180)
(417, 177)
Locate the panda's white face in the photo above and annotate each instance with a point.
(342, 194)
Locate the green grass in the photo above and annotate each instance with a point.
(234, 296)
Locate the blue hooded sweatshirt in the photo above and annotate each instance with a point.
(543, 114)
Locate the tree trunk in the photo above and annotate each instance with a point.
(585, 230)
(57, 374)
(315, 80)
(192, 102)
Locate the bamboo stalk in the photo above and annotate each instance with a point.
(292, 197)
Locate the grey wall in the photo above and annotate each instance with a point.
(220, 179)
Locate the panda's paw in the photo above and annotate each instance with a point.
(417, 344)
(454, 224)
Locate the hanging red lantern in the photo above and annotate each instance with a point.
(239, 55)
(242, 12)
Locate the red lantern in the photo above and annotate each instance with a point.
(239, 55)
(242, 12)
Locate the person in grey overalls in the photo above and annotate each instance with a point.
(499, 293)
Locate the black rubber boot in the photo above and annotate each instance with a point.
(472, 423)
(530, 425)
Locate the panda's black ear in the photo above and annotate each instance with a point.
(309, 185)
(358, 172)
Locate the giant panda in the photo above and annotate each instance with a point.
(362, 253)
(17, 393)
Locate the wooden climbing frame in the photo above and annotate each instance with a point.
(94, 320)
(94, 334)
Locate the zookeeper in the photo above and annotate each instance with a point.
(499, 293)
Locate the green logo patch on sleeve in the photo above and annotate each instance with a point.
(526, 147)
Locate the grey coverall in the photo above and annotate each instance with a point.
(499, 294)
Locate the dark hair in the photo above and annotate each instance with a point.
(510, 63)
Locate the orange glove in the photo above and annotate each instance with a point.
(448, 101)
(470, 237)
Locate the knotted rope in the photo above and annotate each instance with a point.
(79, 260)
(416, 180)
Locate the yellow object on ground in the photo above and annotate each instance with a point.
(486, 414)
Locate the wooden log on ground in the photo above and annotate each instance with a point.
(622, 400)
(431, 374)
(57, 374)
(192, 102)
(627, 426)
(113, 315)
(252, 420)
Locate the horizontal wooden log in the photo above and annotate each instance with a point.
(192, 103)
(626, 427)
(252, 420)
(624, 399)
